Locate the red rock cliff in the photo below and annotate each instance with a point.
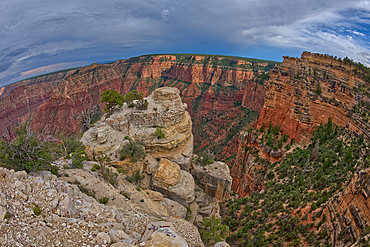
(19, 101)
(295, 102)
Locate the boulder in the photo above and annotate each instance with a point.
(119, 236)
(214, 179)
(102, 238)
(120, 244)
(2, 199)
(66, 207)
(221, 244)
(174, 208)
(2, 213)
(206, 203)
(154, 195)
(274, 153)
(156, 231)
(181, 192)
(167, 174)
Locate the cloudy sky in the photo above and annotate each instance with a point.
(39, 36)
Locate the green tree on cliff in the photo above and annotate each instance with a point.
(111, 99)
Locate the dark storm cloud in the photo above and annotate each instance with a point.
(48, 34)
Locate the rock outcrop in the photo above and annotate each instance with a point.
(214, 179)
(175, 184)
(165, 111)
(245, 179)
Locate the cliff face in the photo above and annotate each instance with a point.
(19, 101)
(304, 92)
(210, 86)
(348, 214)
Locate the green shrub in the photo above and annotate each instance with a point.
(141, 103)
(160, 133)
(122, 171)
(134, 151)
(96, 167)
(135, 178)
(262, 127)
(86, 191)
(125, 194)
(318, 89)
(104, 200)
(77, 158)
(110, 176)
(27, 151)
(212, 230)
(36, 209)
(69, 145)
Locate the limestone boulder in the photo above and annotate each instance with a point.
(66, 207)
(181, 192)
(102, 238)
(154, 195)
(274, 153)
(214, 179)
(221, 244)
(207, 204)
(2, 213)
(2, 199)
(167, 174)
(163, 234)
(174, 208)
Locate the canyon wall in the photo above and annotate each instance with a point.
(19, 101)
(304, 92)
(211, 86)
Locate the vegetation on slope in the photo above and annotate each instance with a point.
(289, 209)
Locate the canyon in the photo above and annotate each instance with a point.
(213, 87)
(231, 102)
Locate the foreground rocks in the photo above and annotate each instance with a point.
(44, 210)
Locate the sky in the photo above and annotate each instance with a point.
(40, 36)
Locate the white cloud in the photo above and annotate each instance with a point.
(165, 14)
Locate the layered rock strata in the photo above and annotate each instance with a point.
(19, 101)
(304, 92)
